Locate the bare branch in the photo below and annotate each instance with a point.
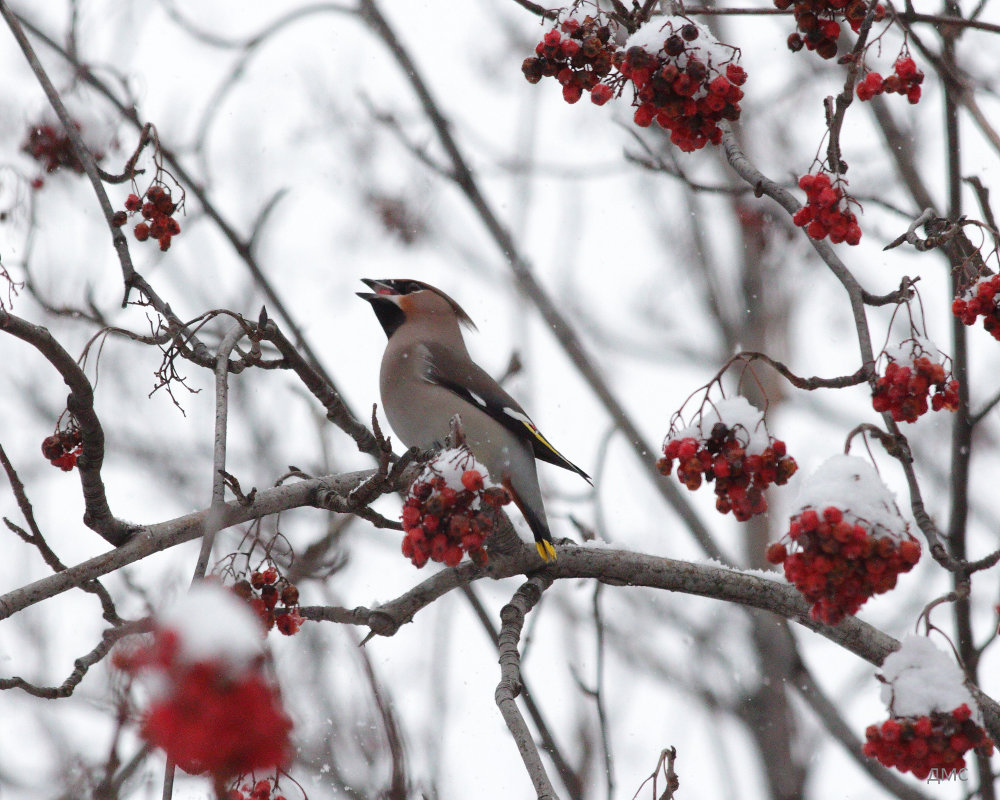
(512, 618)
(164, 535)
(323, 390)
(36, 539)
(809, 384)
(98, 516)
(81, 666)
(233, 335)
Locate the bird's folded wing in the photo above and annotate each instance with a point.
(466, 379)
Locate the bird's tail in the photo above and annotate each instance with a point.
(539, 527)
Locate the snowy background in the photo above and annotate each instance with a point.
(643, 266)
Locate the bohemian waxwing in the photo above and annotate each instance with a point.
(428, 376)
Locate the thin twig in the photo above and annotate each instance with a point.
(233, 335)
(81, 666)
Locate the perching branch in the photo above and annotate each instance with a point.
(625, 568)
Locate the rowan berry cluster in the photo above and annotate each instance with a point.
(450, 510)
(681, 88)
(579, 60)
(740, 476)
(52, 148)
(818, 22)
(920, 744)
(157, 212)
(979, 300)
(259, 790)
(63, 448)
(838, 561)
(905, 387)
(263, 591)
(213, 710)
(906, 79)
(827, 211)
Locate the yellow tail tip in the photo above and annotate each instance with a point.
(546, 551)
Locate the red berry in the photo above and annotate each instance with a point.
(600, 94)
(472, 480)
(776, 553)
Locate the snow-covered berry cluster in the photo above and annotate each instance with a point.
(212, 709)
(931, 723)
(979, 300)
(263, 591)
(51, 147)
(905, 79)
(450, 510)
(157, 212)
(578, 53)
(682, 82)
(827, 210)
(848, 543)
(818, 22)
(914, 369)
(63, 448)
(257, 790)
(737, 454)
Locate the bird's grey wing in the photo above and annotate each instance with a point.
(474, 385)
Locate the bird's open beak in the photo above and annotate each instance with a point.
(385, 303)
(385, 287)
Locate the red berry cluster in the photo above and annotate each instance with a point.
(263, 591)
(158, 212)
(906, 79)
(579, 60)
(839, 564)
(63, 448)
(740, 478)
(903, 390)
(206, 718)
(818, 22)
(52, 148)
(682, 90)
(920, 744)
(260, 790)
(442, 523)
(979, 301)
(826, 212)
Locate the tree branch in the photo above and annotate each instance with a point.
(512, 621)
(98, 516)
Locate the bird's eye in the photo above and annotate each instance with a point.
(412, 286)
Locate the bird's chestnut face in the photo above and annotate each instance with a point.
(395, 299)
